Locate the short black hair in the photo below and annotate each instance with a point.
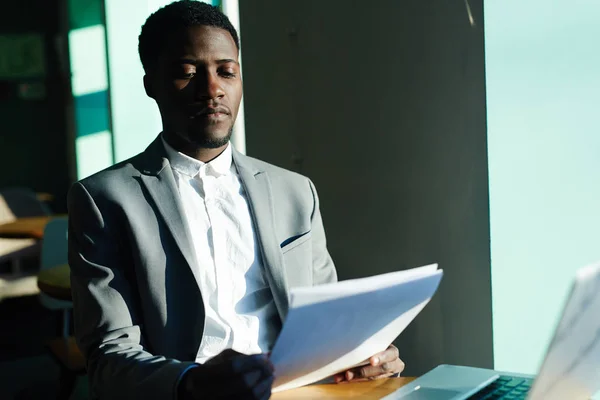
(174, 17)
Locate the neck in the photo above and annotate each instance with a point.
(204, 154)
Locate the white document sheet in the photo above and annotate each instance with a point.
(333, 327)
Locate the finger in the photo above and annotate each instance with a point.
(264, 388)
(370, 371)
(380, 365)
(400, 367)
(245, 363)
(264, 358)
(223, 357)
(253, 378)
(241, 372)
(350, 374)
(370, 379)
(389, 355)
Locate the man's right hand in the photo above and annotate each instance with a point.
(230, 375)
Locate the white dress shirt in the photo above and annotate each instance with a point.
(239, 306)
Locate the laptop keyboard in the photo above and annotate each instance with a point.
(505, 388)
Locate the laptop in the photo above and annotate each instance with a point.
(570, 370)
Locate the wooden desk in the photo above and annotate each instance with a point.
(30, 227)
(360, 390)
(56, 282)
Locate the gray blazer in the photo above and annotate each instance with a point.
(138, 310)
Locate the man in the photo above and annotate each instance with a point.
(182, 257)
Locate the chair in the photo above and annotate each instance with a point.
(16, 203)
(54, 253)
(23, 202)
(6, 214)
(13, 250)
(63, 349)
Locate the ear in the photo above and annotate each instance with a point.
(148, 87)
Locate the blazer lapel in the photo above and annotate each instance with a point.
(260, 199)
(159, 180)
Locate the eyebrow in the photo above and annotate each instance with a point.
(194, 61)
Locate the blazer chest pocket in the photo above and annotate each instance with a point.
(297, 255)
(294, 241)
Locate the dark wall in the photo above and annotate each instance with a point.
(382, 104)
(33, 133)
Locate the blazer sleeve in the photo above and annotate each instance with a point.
(323, 267)
(106, 315)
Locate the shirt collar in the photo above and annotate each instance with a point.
(221, 165)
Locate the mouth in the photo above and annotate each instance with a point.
(211, 113)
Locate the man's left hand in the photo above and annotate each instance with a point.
(381, 365)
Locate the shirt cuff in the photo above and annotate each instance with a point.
(179, 379)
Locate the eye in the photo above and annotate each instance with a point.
(184, 71)
(227, 74)
(183, 74)
(228, 70)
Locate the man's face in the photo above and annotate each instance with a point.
(197, 86)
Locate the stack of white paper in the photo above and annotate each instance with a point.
(333, 327)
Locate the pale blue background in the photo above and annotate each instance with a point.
(543, 102)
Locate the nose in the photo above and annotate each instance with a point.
(208, 86)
